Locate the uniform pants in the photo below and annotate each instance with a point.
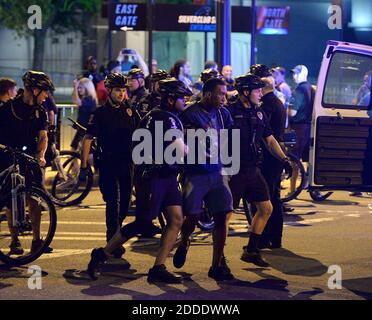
(115, 183)
(272, 170)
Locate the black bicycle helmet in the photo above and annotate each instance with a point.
(249, 82)
(260, 70)
(173, 88)
(209, 74)
(136, 73)
(115, 80)
(36, 79)
(159, 75)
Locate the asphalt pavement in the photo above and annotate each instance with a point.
(326, 254)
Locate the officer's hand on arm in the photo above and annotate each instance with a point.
(287, 167)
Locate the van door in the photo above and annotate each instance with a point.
(341, 135)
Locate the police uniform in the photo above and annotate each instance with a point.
(156, 184)
(148, 102)
(20, 125)
(249, 182)
(137, 100)
(113, 127)
(272, 169)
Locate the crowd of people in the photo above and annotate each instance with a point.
(260, 104)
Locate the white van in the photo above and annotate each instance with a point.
(341, 134)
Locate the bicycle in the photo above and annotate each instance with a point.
(301, 182)
(30, 209)
(66, 188)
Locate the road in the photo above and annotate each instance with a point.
(318, 237)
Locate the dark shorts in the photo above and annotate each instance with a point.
(154, 194)
(212, 189)
(249, 184)
(76, 140)
(302, 147)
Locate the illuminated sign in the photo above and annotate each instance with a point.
(272, 20)
(169, 17)
(131, 16)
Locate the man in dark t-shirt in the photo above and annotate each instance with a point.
(204, 181)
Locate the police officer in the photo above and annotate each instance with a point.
(152, 100)
(249, 182)
(159, 187)
(23, 124)
(137, 90)
(113, 125)
(272, 167)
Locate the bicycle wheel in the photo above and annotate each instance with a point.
(205, 221)
(70, 191)
(285, 192)
(39, 213)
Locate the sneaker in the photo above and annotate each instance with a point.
(119, 252)
(356, 194)
(179, 257)
(264, 245)
(161, 274)
(255, 258)
(221, 273)
(16, 248)
(276, 245)
(37, 244)
(117, 263)
(97, 257)
(152, 232)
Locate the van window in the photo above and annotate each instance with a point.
(348, 81)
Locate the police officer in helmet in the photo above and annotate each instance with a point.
(158, 187)
(249, 182)
(137, 90)
(151, 101)
(24, 125)
(113, 125)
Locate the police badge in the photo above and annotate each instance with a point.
(129, 112)
(260, 115)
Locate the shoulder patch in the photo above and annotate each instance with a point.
(173, 123)
(260, 115)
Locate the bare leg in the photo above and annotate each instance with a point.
(35, 216)
(13, 231)
(261, 217)
(188, 227)
(293, 179)
(173, 215)
(219, 238)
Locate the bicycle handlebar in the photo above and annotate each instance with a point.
(17, 153)
(77, 126)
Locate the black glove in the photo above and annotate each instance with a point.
(287, 167)
(83, 174)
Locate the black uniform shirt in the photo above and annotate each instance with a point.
(148, 102)
(20, 125)
(254, 126)
(113, 128)
(275, 113)
(135, 100)
(168, 120)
